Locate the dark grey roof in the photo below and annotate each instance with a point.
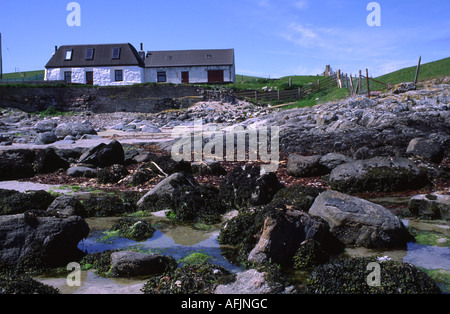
(102, 56)
(176, 58)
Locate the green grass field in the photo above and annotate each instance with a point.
(21, 75)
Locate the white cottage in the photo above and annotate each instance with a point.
(102, 65)
(122, 64)
(190, 66)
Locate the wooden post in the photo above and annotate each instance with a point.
(290, 82)
(368, 85)
(339, 79)
(417, 71)
(352, 92)
(278, 95)
(256, 95)
(359, 82)
(299, 93)
(318, 85)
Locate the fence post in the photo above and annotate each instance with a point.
(352, 92)
(339, 79)
(278, 94)
(299, 93)
(359, 82)
(368, 85)
(417, 71)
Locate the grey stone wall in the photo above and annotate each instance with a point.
(139, 98)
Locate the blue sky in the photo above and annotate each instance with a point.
(271, 38)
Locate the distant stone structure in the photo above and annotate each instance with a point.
(328, 71)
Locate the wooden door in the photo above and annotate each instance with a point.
(90, 78)
(185, 77)
(215, 76)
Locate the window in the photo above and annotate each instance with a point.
(169, 58)
(68, 56)
(119, 75)
(90, 54)
(116, 53)
(208, 56)
(162, 77)
(68, 77)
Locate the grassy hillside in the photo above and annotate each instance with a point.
(436, 69)
(250, 82)
(22, 75)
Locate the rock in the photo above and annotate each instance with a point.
(78, 171)
(104, 155)
(248, 282)
(45, 138)
(14, 202)
(428, 149)
(247, 186)
(112, 174)
(351, 276)
(430, 206)
(379, 174)
(47, 161)
(42, 240)
(132, 264)
(404, 87)
(150, 129)
(305, 166)
(16, 164)
(208, 168)
(282, 235)
(145, 157)
(357, 222)
(169, 185)
(66, 206)
(45, 126)
(75, 129)
(332, 160)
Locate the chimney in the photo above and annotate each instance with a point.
(56, 49)
(142, 52)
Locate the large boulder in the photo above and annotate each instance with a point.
(430, 206)
(48, 161)
(282, 235)
(248, 282)
(66, 206)
(34, 237)
(14, 202)
(75, 129)
(16, 164)
(104, 155)
(168, 186)
(305, 166)
(247, 185)
(379, 174)
(357, 222)
(133, 264)
(45, 126)
(427, 149)
(45, 138)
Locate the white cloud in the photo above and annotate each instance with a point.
(302, 4)
(300, 35)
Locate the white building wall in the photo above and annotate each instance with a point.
(196, 74)
(103, 76)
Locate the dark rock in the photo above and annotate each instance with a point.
(78, 172)
(66, 206)
(104, 155)
(208, 168)
(428, 149)
(47, 161)
(75, 129)
(14, 202)
(111, 174)
(430, 206)
(404, 87)
(134, 229)
(106, 206)
(132, 264)
(16, 164)
(282, 236)
(351, 276)
(358, 222)
(45, 126)
(45, 138)
(379, 174)
(299, 197)
(332, 160)
(41, 240)
(243, 187)
(305, 166)
(168, 186)
(310, 255)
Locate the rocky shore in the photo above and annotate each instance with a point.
(334, 160)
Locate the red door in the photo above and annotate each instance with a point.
(185, 77)
(215, 76)
(89, 78)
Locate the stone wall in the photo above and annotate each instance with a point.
(138, 98)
